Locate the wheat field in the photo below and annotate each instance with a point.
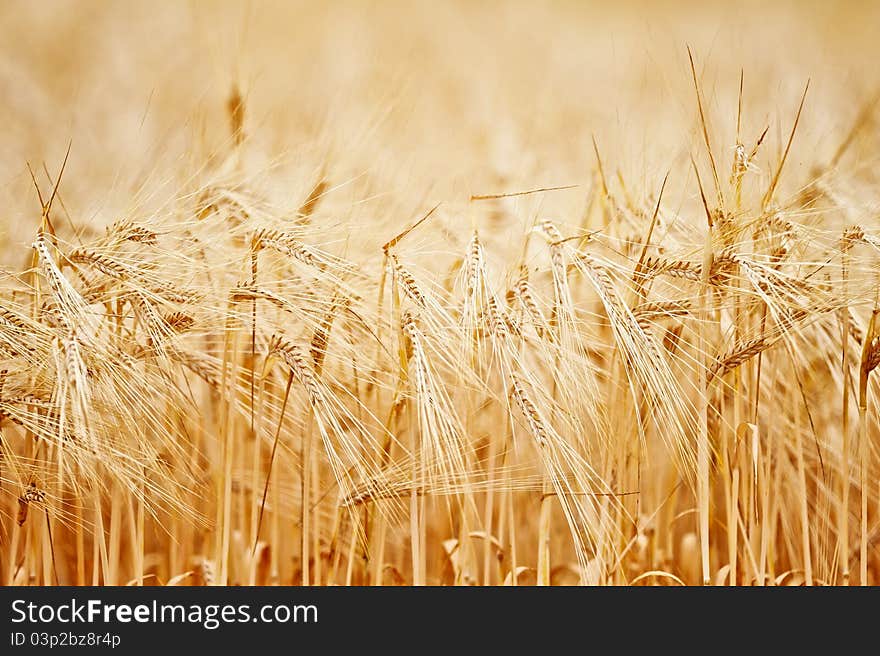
(466, 293)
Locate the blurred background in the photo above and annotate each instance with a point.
(401, 105)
